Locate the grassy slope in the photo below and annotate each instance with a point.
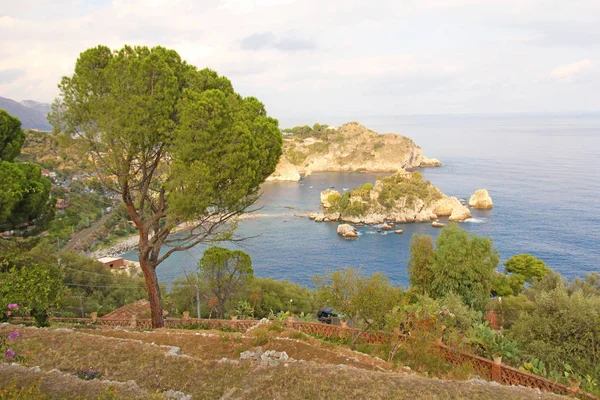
(139, 358)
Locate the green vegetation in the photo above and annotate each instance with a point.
(296, 157)
(527, 266)
(364, 300)
(44, 282)
(395, 187)
(189, 147)
(24, 193)
(346, 205)
(226, 272)
(357, 202)
(59, 153)
(30, 279)
(317, 131)
(462, 263)
(560, 325)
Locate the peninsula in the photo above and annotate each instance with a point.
(349, 148)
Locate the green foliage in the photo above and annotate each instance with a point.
(268, 294)
(510, 308)
(24, 193)
(348, 204)
(296, 157)
(527, 266)
(487, 342)
(243, 310)
(334, 198)
(226, 273)
(395, 187)
(507, 285)
(66, 156)
(536, 366)
(364, 300)
(182, 144)
(35, 283)
(422, 255)
(317, 131)
(563, 328)
(94, 288)
(11, 136)
(463, 264)
(318, 148)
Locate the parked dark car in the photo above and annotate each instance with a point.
(328, 316)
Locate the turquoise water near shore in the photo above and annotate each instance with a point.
(542, 171)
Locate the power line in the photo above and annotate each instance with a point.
(104, 286)
(88, 272)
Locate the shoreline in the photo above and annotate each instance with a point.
(131, 242)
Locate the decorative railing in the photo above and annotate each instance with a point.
(487, 369)
(507, 375)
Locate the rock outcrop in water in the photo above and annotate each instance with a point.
(351, 147)
(347, 231)
(400, 198)
(481, 199)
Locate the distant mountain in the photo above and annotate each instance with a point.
(31, 113)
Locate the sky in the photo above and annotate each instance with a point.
(306, 59)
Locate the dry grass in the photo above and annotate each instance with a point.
(202, 376)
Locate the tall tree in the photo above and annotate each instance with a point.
(464, 264)
(24, 192)
(422, 255)
(179, 144)
(226, 273)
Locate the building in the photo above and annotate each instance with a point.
(113, 262)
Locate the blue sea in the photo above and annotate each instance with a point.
(542, 172)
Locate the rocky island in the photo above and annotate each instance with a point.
(400, 198)
(349, 148)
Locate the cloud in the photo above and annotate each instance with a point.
(411, 56)
(290, 42)
(570, 72)
(10, 75)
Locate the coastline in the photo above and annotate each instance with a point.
(131, 242)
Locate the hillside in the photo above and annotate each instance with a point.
(31, 113)
(351, 147)
(212, 364)
(56, 152)
(401, 197)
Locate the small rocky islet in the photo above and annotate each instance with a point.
(403, 197)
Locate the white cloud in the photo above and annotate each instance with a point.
(570, 72)
(388, 56)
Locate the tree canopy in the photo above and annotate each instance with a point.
(34, 282)
(463, 264)
(176, 143)
(226, 272)
(24, 193)
(527, 266)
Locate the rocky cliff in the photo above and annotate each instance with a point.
(284, 172)
(401, 198)
(351, 147)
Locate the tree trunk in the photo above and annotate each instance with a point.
(153, 289)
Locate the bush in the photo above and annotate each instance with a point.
(562, 329)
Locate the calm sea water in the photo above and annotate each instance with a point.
(543, 173)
